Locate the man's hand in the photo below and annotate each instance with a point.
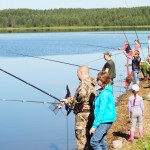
(64, 101)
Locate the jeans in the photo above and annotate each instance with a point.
(136, 76)
(98, 140)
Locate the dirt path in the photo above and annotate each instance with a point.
(121, 127)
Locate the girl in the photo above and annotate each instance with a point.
(137, 45)
(128, 50)
(104, 112)
(136, 111)
(136, 59)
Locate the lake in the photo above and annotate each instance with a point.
(33, 126)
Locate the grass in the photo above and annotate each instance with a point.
(142, 143)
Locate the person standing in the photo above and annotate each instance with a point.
(128, 50)
(136, 59)
(148, 44)
(136, 112)
(109, 66)
(137, 45)
(81, 104)
(145, 68)
(104, 112)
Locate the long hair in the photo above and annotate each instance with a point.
(135, 93)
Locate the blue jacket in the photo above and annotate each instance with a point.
(104, 107)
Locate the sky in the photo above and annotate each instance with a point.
(52, 4)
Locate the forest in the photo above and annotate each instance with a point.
(25, 18)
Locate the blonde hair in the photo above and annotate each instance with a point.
(136, 53)
(137, 41)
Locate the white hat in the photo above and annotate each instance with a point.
(135, 87)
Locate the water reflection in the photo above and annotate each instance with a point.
(34, 126)
(29, 126)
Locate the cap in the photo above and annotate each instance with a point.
(108, 53)
(135, 87)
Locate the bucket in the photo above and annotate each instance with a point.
(117, 144)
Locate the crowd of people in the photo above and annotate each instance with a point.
(137, 64)
(95, 109)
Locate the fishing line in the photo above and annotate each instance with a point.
(25, 55)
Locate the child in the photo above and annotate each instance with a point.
(128, 50)
(136, 111)
(137, 45)
(136, 59)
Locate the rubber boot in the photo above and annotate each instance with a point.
(141, 132)
(131, 136)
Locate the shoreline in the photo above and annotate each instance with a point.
(121, 127)
(73, 28)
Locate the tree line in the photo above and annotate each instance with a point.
(136, 16)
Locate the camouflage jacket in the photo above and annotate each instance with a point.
(84, 96)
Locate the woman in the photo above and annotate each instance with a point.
(104, 112)
(136, 59)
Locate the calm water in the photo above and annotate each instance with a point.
(31, 126)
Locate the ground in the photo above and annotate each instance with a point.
(121, 127)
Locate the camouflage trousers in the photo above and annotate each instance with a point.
(83, 123)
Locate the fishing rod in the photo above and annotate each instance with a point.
(103, 47)
(54, 107)
(29, 101)
(136, 32)
(25, 55)
(35, 87)
(103, 58)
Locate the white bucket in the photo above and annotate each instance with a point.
(117, 144)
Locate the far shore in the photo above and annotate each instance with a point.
(74, 28)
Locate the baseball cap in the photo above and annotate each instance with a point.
(135, 87)
(108, 53)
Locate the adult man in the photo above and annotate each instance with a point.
(109, 66)
(81, 105)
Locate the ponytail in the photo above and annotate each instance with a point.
(134, 100)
